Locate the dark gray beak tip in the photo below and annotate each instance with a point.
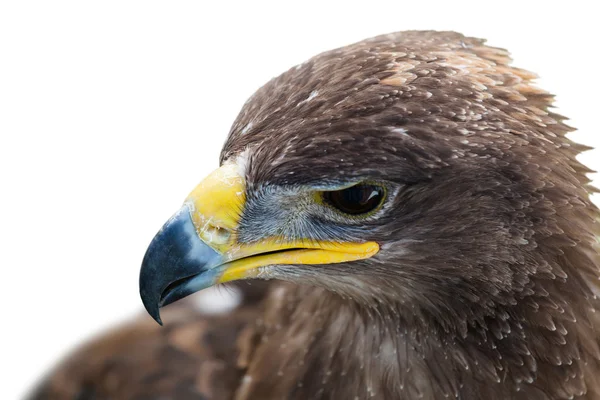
(151, 304)
(175, 254)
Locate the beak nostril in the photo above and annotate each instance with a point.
(216, 234)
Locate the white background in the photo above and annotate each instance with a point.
(111, 111)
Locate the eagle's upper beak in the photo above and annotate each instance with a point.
(198, 246)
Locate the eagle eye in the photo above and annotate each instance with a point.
(355, 200)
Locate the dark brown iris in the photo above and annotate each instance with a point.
(355, 200)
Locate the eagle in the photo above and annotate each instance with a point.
(404, 218)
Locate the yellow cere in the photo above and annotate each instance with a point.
(216, 205)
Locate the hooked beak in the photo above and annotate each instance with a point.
(198, 248)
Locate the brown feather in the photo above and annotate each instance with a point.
(486, 283)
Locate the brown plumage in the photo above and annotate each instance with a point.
(485, 284)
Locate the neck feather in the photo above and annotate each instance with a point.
(315, 344)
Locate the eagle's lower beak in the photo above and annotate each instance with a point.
(198, 247)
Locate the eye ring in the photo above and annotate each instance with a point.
(359, 200)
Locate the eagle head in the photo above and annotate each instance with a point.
(417, 172)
